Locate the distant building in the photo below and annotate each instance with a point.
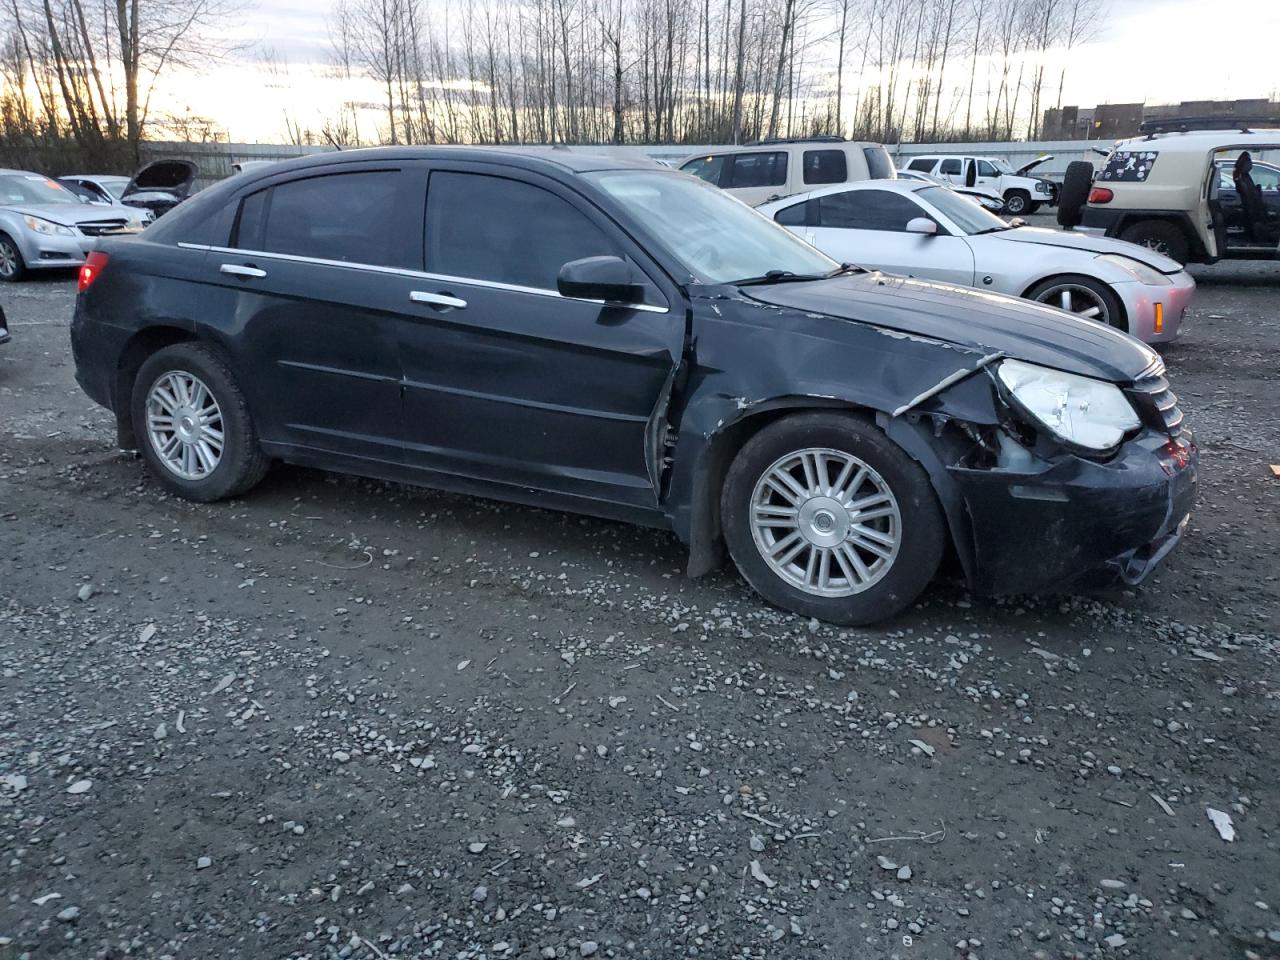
(1115, 121)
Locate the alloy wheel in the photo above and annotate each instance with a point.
(1015, 204)
(826, 522)
(1078, 299)
(8, 259)
(184, 424)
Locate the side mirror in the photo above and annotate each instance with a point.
(922, 225)
(610, 279)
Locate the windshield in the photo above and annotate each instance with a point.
(33, 188)
(115, 186)
(960, 210)
(715, 237)
(1002, 165)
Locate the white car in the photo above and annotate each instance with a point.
(764, 171)
(105, 190)
(1022, 194)
(927, 231)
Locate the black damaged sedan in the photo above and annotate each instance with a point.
(621, 340)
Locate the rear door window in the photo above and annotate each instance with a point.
(499, 230)
(758, 170)
(867, 210)
(358, 217)
(879, 163)
(706, 168)
(825, 166)
(922, 165)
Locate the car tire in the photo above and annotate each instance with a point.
(1074, 193)
(1032, 209)
(1160, 236)
(172, 378)
(12, 267)
(1016, 202)
(911, 530)
(1082, 293)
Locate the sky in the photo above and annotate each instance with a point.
(1158, 51)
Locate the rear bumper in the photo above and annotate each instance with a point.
(1078, 523)
(1145, 303)
(94, 348)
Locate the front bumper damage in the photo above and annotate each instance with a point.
(1075, 523)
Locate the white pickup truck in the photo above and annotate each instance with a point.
(1022, 194)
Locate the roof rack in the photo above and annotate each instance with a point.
(772, 140)
(1187, 124)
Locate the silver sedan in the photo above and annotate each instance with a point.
(930, 232)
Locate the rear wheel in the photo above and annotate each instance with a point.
(1086, 297)
(1160, 236)
(194, 426)
(1016, 202)
(828, 518)
(12, 267)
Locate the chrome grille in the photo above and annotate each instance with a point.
(1156, 404)
(97, 228)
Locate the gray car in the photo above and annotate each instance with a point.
(44, 225)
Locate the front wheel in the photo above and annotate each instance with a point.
(1086, 297)
(826, 517)
(1016, 202)
(193, 424)
(12, 267)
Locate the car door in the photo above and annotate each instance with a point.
(506, 380)
(869, 228)
(318, 276)
(987, 176)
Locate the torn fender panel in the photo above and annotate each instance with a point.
(753, 358)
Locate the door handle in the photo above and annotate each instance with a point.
(437, 299)
(236, 270)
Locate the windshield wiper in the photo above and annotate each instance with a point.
(787, 276)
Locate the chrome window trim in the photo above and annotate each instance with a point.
(419, 275)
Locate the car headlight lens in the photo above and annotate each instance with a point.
(1079, 410)
(47, 227)
(1042, 187)
(1136, 269)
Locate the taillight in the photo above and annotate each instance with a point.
(93, 266)
(1100, 195)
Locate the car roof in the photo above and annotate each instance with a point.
(902, 185)
(93, 176)
(22, 173)
(544, 159)
(1199, 141)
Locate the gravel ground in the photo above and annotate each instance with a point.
(341, 718)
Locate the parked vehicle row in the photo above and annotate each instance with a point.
(622, 340)
(770, 169)
(1022, 193)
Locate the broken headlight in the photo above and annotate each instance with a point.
(1079, 411)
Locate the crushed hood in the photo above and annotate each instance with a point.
(1026, 168)
(173, 177)
(1091, 243)
(974, 319)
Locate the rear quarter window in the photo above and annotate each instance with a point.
(825, 166)
(922, 165)
(1129, 166)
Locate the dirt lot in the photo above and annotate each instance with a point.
(349, 719)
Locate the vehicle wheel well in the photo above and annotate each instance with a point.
(706, 544)
(135, 353)
(1194, 244)
(1018, 190)
(1123, 325)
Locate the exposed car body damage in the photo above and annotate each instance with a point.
(922, 378)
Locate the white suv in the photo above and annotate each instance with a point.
(771, 169)
(1022, 194)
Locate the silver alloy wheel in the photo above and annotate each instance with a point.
(1078, 299)
(1015, 203)
(8, 259)
(826, 522)
(184, 423)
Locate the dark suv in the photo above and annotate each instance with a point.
(627, 341)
